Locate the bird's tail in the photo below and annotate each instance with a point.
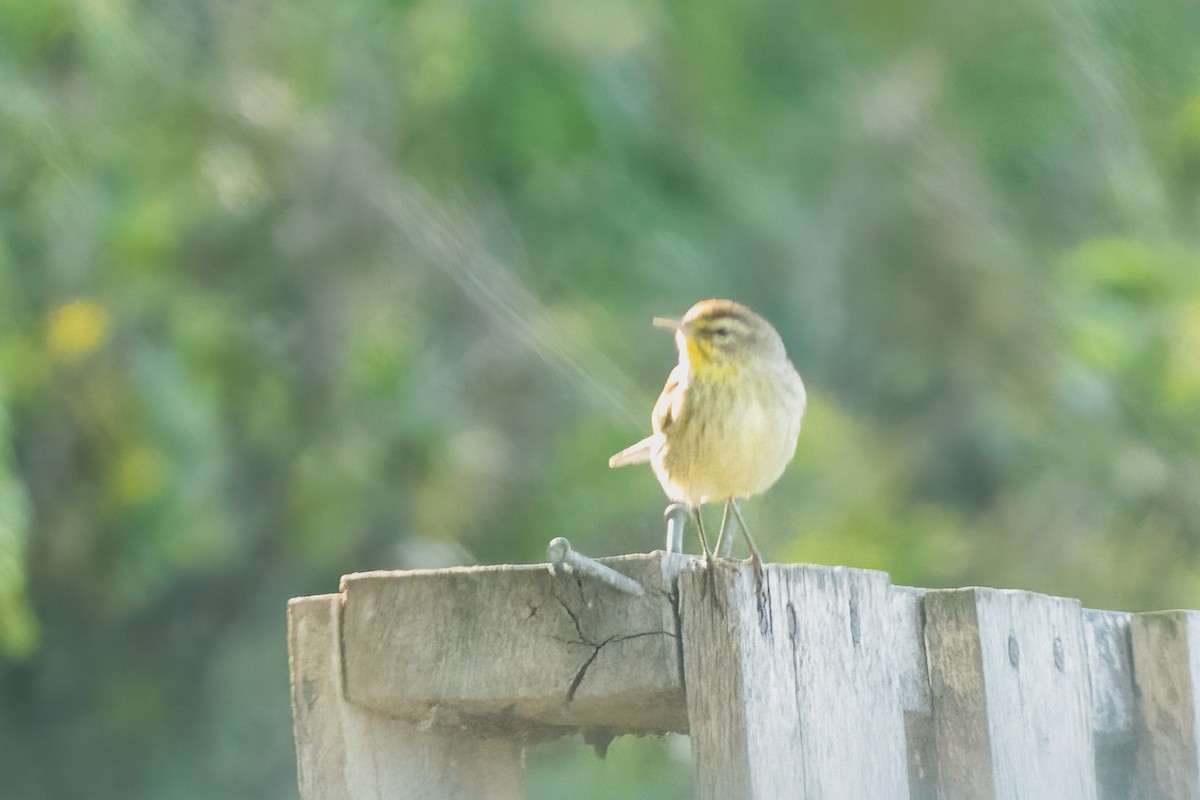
(634, 454)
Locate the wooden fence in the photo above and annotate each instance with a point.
(820, 682)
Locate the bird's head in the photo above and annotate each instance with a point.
(721, 335)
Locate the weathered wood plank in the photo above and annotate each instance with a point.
(913, 673)
(1008, 674)
(348, 753)
(517, 650)
(1166, 667)
(792, 692)
(829, 683)
(1114, 704)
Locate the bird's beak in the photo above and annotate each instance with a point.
(667, 323)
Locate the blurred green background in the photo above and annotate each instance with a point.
(290, 290)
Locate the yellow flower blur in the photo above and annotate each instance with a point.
(76, 329)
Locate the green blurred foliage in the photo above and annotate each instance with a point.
(293, 290)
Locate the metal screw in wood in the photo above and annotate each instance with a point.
(562, 557)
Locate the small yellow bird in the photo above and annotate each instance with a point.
(726, 423)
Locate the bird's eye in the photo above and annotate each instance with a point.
(720, 332)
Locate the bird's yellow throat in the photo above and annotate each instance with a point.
(705, 363)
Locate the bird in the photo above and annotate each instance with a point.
(727, 422)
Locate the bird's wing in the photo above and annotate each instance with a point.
(666, 410)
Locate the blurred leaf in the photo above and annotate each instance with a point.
(19, 629)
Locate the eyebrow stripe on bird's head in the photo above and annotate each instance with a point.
(715, 310)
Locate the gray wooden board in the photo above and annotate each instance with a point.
(828, 684)
(792, 692)
(1166, 667)
(344, 752)
(1008, 674)
(517, 649)
(912, 669)
(1115, 720)
(913, 673)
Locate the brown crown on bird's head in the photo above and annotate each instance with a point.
(721, 330)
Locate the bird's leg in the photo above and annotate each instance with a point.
(755, 556)
(710, 574)
(700, 530)
(724, 545)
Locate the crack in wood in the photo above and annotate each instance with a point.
(578, 679)
(583, 671)
(574, 619)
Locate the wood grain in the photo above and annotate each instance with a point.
(344, 752)
(1115, 714)
(1009, 681)
(516, 649)
(1166, 666)
(792, 691)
